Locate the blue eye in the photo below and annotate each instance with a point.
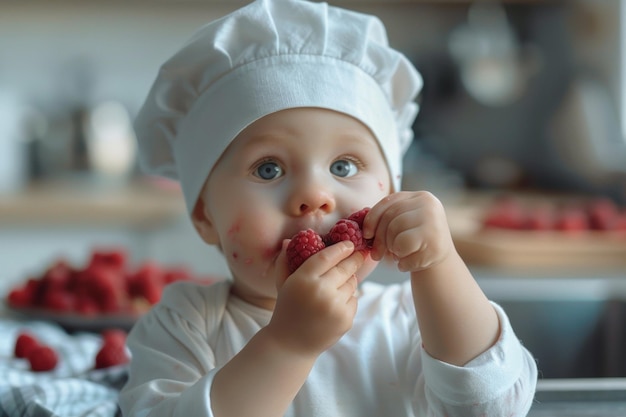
(343, 168)
(268, 171)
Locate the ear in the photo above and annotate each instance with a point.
(203, 223)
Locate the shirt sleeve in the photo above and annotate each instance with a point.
(172, 365)
(499, 382)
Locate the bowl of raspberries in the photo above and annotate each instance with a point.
(106, 292)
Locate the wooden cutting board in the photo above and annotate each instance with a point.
(588, 250)
(503, 248)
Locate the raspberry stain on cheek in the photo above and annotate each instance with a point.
(247, 261)
(233, 236)
(243, 254)
(270, 253)
(234, 229)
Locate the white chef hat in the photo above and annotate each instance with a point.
(268, 56)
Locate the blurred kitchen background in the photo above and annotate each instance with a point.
(519, 96)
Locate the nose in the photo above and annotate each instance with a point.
(310, 198)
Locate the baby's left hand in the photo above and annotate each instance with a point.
(412, 227)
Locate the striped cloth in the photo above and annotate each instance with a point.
(72, 389)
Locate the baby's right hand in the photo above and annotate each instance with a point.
(316, 305)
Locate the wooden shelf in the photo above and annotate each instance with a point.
(140, 204)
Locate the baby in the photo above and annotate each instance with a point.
(288, 115)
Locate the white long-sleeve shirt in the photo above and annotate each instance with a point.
(378, 368)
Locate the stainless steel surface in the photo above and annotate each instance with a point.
(604, 397)
(575, 328)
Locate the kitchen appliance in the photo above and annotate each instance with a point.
(508, 103)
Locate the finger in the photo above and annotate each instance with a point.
(402, 235)
(345, 270)
(414, 262)
(377, 221)
(323, 261)
(349, 287)
(409, 241)
(370, 222)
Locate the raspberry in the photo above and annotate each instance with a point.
(86, 306)
(603, 214)
(59, 300)
(147, 282)
(572, 219)
(56, 277)
(359, 216)
(111, 354)
(25, 344)
(20, 297)
(621, 223)
(505, 213)
(107, 287)
(114, 258)
(540, 218)
(304, 244)
(43, 358)
(176, 274)
(346, 229)
(114, 336)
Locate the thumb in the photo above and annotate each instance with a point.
(282, 271)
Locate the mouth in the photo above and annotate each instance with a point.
(319, 225)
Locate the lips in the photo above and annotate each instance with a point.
(320, 225)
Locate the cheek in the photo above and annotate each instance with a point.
(248, 242)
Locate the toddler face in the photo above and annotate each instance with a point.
(291, 170)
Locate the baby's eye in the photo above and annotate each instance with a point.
(268, 170)
(343, 168)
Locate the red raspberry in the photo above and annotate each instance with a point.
(505, 213)
(603, 214)
(59, 300)
(147, 282)
(43, 358)
(114, 258)
(540, 218)
(176, 274)
(116, 337)
(20, 297)
(56, 277)
(572, 219)
(86, 306)
(359, 216)
(304, 244)
(621, 223)
(25, 344)
(346, 229)
(107, 287)
(111, 354)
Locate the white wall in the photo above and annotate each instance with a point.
(125, 44)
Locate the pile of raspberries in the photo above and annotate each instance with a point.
(308, 242)
(44, 358)
(106, 285)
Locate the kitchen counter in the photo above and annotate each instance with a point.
(140, 203)
(596, 397)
